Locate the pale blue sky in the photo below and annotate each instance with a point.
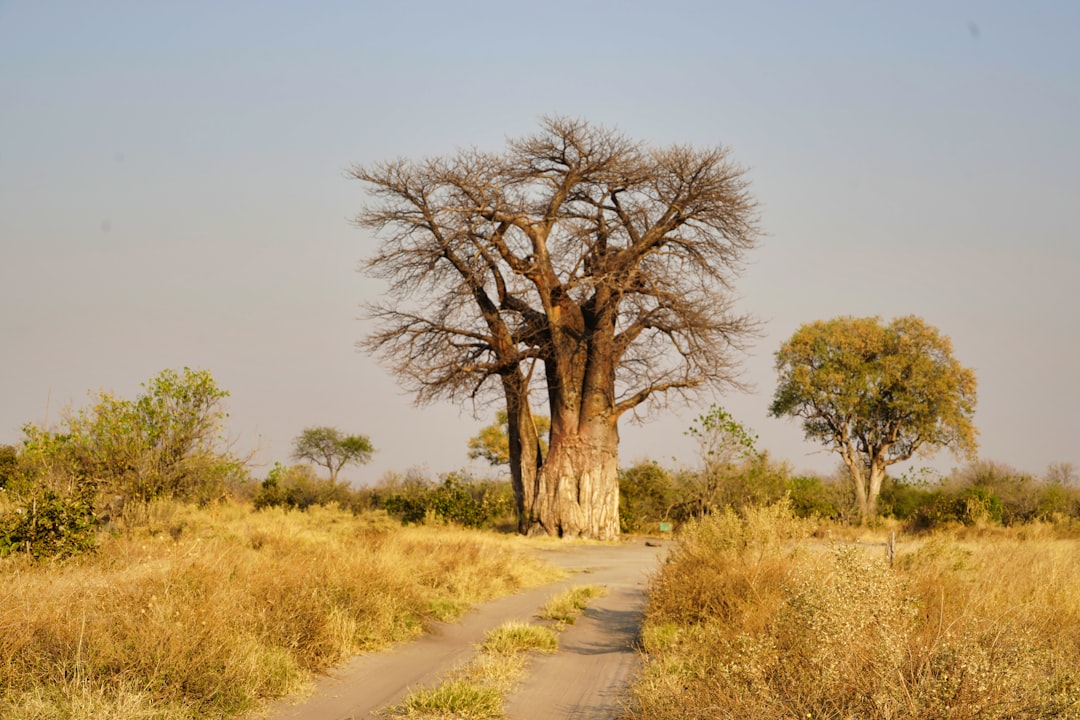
(172, 190)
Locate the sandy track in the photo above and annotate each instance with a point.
(584, 680)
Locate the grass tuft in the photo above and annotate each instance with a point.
(515, 637)
(564, 608)
(460, 699)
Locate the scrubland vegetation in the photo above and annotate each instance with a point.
(145, 574)
(977, 494)
(752, 617)
(204, 613)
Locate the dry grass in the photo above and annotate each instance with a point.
(985, 627)
(206, 613)
(476, 690)
(515, 637)
(563, 609)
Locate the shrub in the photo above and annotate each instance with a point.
(811, 496)
(647, 493)
(9, 465)
(298, 487)
(457, 499)
(165, 443)
(46, 524)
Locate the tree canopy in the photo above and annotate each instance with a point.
(876, 394)
(577, 263)
(331, 449)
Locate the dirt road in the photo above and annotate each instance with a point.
(583, 681)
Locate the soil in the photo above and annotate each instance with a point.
(585, 680)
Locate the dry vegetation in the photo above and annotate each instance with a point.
(475, 691)
(205, 613)
(750, 619)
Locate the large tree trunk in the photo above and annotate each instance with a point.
(579, 488)
(525, 456)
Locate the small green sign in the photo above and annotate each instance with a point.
(666, 527)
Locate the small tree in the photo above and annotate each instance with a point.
(330, 448)
(876, 394)
(492, 443)
(729, 463)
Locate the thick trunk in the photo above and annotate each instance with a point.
(578, 485)
(525, 458)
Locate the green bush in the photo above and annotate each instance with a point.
(166, 443)
(47, 524)
(298, 487)
(457, 499)
(810, 496)
(979, 505)
(9, 465)
(647, 493)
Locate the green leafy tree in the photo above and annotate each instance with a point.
(492, 443)
(876, 394)
(332, 449)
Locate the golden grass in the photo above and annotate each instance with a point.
(564, 608)
(959, 628)
(515, 637)
(208, 612)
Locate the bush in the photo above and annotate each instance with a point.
(813, 497)
(647, 493)
(457, 499)
(724, 565)
(981, 493)
(298, 487)
(48, 525)
(9, 465)
(167, 443)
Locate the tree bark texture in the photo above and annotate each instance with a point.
(577, 489)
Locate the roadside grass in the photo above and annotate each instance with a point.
(462, 699)
(744, 622)
(476, 690)
(208, 612)
(516, 637)
(563, 609)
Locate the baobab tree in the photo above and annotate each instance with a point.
(578, 264)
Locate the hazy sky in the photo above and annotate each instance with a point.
(173, 191)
